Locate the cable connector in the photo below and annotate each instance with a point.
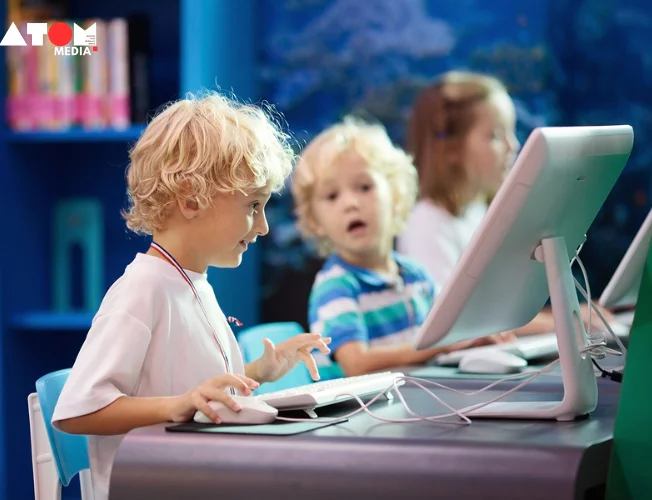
(615, 375)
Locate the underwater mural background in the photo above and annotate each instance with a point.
(565, 62)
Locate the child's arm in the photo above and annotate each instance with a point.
(128, 413)
(97, 398)
(335, 312)
(545, 323)
(357, 358)
(121, 416)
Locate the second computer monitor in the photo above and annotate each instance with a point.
(622, 289)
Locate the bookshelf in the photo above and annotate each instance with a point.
(51, 321)
(194, 44)
(75, 134)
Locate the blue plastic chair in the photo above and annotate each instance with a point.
(252, 347)
(70, 452)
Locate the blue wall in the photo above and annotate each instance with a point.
(218, 49)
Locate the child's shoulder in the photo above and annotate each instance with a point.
(412, 268)
(146, 282)
(335, 277)
(146, 270)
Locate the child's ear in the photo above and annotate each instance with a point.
(189, 208)
(188, 205)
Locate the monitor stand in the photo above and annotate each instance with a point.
(579, 381)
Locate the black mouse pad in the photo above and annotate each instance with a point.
(277, 428)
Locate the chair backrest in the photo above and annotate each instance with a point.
(70, 452)
(251, 345)
(46, 478)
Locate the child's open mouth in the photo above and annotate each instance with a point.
(356, 226)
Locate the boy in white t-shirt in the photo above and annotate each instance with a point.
(160, 348)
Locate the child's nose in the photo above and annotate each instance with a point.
(262, 227)
(351, 201)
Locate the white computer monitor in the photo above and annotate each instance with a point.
(520, 256)
(622, 289)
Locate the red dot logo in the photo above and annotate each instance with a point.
(60, 34)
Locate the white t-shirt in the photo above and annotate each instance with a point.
(437, 239)
(148, 339)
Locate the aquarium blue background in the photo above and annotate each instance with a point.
(565, 62)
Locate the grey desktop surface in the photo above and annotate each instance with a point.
(364, 457)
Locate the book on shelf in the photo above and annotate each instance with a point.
(59, 88)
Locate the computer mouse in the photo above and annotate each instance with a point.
(253, 411)
(490, 362)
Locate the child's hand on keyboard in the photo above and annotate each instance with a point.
(183, 407)
(497, 338)
(278, 360)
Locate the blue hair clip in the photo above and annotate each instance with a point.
(440, 135)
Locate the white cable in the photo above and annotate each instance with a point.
(623, 349)
(419, 383)
(592, 306)
(365, 407)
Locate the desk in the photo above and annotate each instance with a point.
(364, 457)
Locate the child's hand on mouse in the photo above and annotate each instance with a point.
(278, 360)
(184, 407)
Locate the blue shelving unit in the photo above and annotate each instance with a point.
(52, 321)
(75, 135)
(195, 44)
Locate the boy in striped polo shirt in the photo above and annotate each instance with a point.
(353, 191)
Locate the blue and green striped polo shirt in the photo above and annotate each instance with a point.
(354, 304)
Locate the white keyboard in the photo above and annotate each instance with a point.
(533, 347)
(324, 393)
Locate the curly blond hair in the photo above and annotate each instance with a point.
(373, 145)
(199, 146)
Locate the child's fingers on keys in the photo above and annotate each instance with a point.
(310, 363)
